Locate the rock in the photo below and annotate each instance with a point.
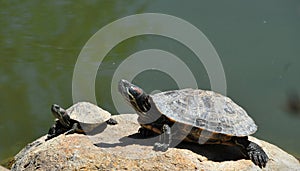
(119, 147)
(3, 168)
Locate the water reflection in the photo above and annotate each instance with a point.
(40, 41)
(39, 45)
(292, 105)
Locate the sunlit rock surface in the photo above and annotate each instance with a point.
(119, 147)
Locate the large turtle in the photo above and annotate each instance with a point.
(82, 117)
(206, 118)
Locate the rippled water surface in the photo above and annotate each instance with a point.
(257, 41)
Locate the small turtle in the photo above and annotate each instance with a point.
(81, 115)
(206, 117)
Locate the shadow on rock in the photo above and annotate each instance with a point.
(214, 152)
(135, 138)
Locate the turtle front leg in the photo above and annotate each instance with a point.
(164, 139)
(52, 132)
(253, 151)
(55, 130)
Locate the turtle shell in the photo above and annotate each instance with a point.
(206, 110)
(88, 114)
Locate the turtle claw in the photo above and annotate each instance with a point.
(257, 155)
(160, 147)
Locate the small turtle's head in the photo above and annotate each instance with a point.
(136, 96)
(61, 114)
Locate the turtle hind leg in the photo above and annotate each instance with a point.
(257, 154)
(164, 139)
(75, 128)
(253, 151)
(111, 121)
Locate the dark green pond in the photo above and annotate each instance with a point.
(257, 41)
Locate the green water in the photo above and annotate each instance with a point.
(257, 41)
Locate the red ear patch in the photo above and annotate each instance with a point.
(137, 90)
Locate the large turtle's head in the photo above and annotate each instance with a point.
(61, 114)
(136, 96)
